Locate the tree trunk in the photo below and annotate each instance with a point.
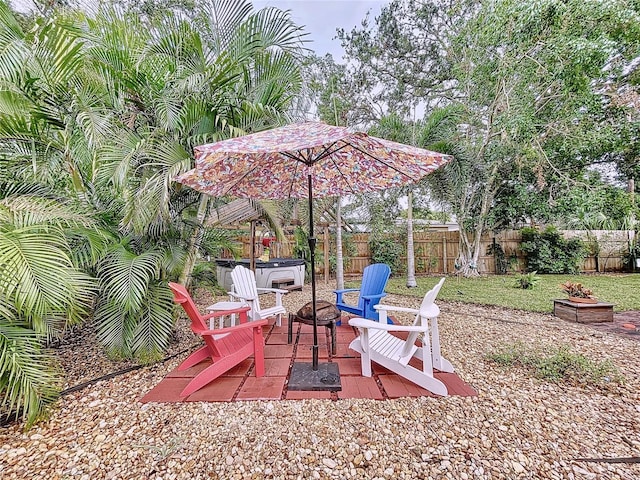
(467, 261)
(411, 263)
(195, 241)
(339, 259)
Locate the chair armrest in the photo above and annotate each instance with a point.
(393, 308)
(220, 313)
(339, 293)
(235, 328)
(240, 297)
(272, 290)
(364, 323)
(345, 290)
(373, 297)
(432, 311)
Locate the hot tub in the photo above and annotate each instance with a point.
(267, 273)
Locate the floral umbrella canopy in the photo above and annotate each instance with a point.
(277, 163)
(306, 160)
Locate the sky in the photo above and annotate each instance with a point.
(321, 18)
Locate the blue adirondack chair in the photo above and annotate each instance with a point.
(374, 279)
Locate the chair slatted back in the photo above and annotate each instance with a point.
(244, 284)
(421, 317)
(374, 279)
(429, 299)
(198, 325)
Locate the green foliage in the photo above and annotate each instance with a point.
(549, 252)
(100, 111)
(502, 264)
(28, 380)
(42, 293)
(349, 251)
(558, 365)
(527, 281)
(540, 93)
(135, 311)
(631, 255)
(204, 274)
(426, 259)
(386, 249)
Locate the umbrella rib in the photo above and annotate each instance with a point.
(310, 161)
(327, 151)
(384, 163)
(242, 177)
(300, 158)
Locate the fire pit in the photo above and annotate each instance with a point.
(326, 316)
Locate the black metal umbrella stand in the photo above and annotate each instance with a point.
(314, 376)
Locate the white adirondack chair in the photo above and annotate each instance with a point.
(376, 343)
(245, 289)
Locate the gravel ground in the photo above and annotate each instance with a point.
(517, 426)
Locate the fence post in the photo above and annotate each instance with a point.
(495, 259)
(444, 252)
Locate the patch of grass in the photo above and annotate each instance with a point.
(619, 289)
(558, 364)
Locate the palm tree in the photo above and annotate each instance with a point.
(101, 113)
(49, 126)
(42, 293)
(235, 73)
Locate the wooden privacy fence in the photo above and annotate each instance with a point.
(436, 252)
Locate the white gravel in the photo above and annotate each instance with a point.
(517, 426)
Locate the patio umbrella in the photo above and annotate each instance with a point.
(310, 159)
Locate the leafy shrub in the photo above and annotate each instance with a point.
(387, 250)
(549, 252)
(559, 364)
(629, 257)
(502, 263)
(527, 281)
(301, 250)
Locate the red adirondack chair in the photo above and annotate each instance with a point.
(226, 347)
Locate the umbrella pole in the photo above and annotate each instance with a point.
(312, 248)
(312, 376)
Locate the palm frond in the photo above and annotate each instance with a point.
(12, 48)
(125, 277)
(114, 328)
(216, 239)
(221, 19)
(24, 211)
(36, 274)
(155, 322)
(28, 382)
(272, 28)
(173, 260)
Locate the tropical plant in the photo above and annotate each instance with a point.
(576, 289)
(386, 249)
(100, 112)
(42, 293)
(527, 281)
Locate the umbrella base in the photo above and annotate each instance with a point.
(304, 377)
